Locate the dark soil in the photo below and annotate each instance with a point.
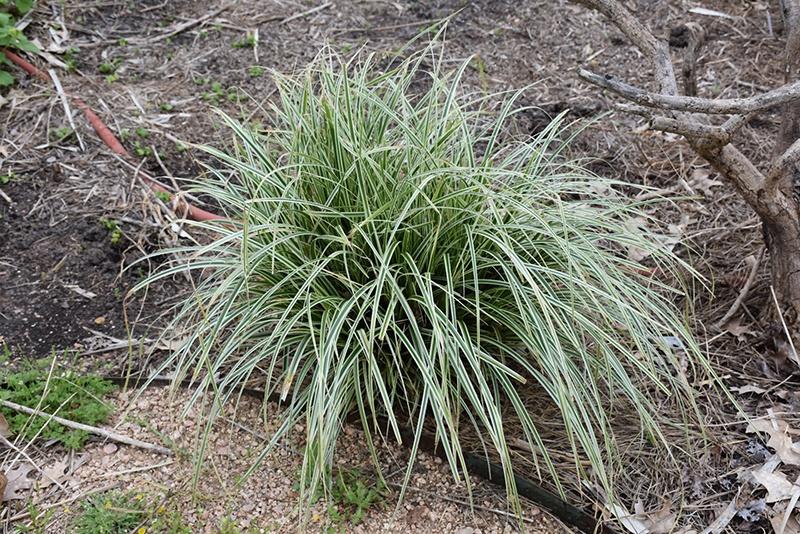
(42, 258)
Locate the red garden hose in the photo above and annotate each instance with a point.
(105, 134)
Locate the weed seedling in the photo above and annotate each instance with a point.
(163, 196)
(123, 42)
(60, 134)
(166, 107)
(352, 497)
(68, 395)
(142, 132)
(255, 71)
(70, 59)
(39, 520)
(142, 150)
(108, 67)
(248, 42)
(115, 233)
(6, 178)
(109, 514)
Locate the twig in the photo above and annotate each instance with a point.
(306, 13)
(65, 103)
(720, 106)
(83, 495)
(87, 428)
(793, 355)
(134, 470)
(745, 290)
(6, 197)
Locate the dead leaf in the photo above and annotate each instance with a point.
(735, 327)
(779, 439)
(631, 522)
(54, 474)
(637, 225)
(725, 516)
(3, 483)
(5, 430)
(80, 291)
(661, 521)
(783, 521)
(749, 388)
(700, 180)
(777, 485)
(17, 482)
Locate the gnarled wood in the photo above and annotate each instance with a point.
(774, 196)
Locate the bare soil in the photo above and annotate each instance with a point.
(53, 239)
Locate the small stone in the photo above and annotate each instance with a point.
(110, 448)
(100, 320)
(466, 530)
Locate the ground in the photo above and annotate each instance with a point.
(75, 220)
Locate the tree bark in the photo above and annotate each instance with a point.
(782, 233)
(775, 194)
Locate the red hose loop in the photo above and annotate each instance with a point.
(109, 139)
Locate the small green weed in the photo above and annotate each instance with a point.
(142, 132)
(255, 71)
(71, 59)
(113, 229)
(108, 67)
(10, 36)
(351, 497)
(39, 519)
(6, 178)
(142, 150)
(217, 92)
(166, 107)
(60, 134)
(109, 514)
(248, 41)
(74, 397)
(123, 42)
(163, 196)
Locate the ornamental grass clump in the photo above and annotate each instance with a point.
(394, 255)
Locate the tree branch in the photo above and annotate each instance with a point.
(782, 95)
(642, 38)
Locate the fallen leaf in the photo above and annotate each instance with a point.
(5, 430)
(80, 291)
(54, 474)
(637, 225)
(777, 485)
(749, 388)
(631, 522)
(700, 180)
(725, 516)
(17, 482)
(779, 439)
(783, 521)
(661, 521)
(735, 327)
